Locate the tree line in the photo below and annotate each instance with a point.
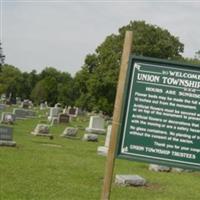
(94, 86)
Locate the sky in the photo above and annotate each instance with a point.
(36, 34)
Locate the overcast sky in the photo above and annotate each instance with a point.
(36, 34)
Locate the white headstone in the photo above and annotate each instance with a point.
(103, 150)
(53, 113)
(108, 134)
(96, 125)
(43, 106)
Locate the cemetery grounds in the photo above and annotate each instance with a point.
(70, 169)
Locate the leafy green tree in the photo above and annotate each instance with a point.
(53, 86)
(9, 80)
(2, 57)
(102, 67)
(45, 90)
(39, 92)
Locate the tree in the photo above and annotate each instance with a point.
(9, 80)
(53, 86)
(2, 57)
(102, 67)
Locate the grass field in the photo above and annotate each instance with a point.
(70, 169)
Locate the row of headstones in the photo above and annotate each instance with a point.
(6, 132)
(44, 131)
(9, 118)
(96, 126)
(59, 115)
(23, 104)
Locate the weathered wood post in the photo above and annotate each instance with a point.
(116, 116)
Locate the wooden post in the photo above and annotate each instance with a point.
(116, 116)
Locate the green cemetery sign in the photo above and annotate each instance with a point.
(160, 121)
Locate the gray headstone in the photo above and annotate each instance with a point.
(7, 118)
(96, 125)
(63, 118)
(42, 130)
(23, 113)
(130, 180)
(6, 133)
(6, 136)
(25, 104)
(159, 168)
(179, 170)
(43, 106)
(2, 106)
(90, 137)
(30, 113)
(70, 132)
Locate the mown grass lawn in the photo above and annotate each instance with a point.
(70, 169)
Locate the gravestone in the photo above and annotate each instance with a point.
(53, 113)
(54, 121)
(25, 104)
(23, 113)
(6, 136)
(2, 106)
(3, 97)
(63, 118)
(96, 125)
(7, 118)
(57, 105)
(19, 113)
(18, 100)
(70, 132)
(30, 114)
(72, 112)
(103, 150)
(130, 180)
(43, 106)
(42, 130)
(90, 137)
(159, 168)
